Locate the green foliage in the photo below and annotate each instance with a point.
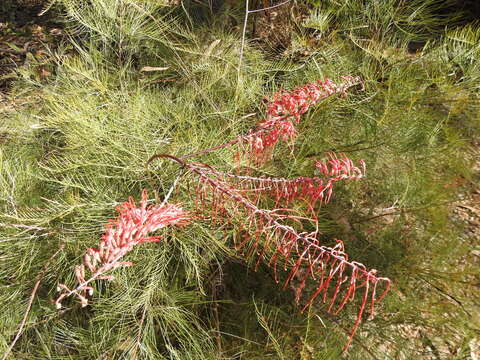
(78, 148)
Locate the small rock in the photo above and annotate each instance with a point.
(474, 345)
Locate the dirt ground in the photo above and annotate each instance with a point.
(26, 41)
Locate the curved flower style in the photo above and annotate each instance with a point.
(130, 228)
(342, 168)
(267, 235)
(284, 109)
(312, 189)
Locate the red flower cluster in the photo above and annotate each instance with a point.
(341, 168)
(267, 236)
(285, 108)
(131, 228)
(290, 105)
(284, 191)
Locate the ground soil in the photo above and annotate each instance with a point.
(26, 40)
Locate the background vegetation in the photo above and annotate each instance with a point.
(75, 139)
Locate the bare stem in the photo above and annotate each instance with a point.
(30, 301)
(269, 8)
(239, 69)
(172, 188)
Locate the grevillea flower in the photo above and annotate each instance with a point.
(290, 105)
(284, 110)
(336, 280)
(284, 191)
(132, 227)
(268, 234)
(342, 168)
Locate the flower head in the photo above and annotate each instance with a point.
(284, 110)
(132, 227)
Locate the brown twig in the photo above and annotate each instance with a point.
(139, 334)
(269, 8)
(30, 301)
(443, 292)
(401, 211)
(17, 52)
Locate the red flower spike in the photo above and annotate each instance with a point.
(316, 189)
(264, 234)
(130, 228)
(284, 110)
(301, 254)
(342, 168)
